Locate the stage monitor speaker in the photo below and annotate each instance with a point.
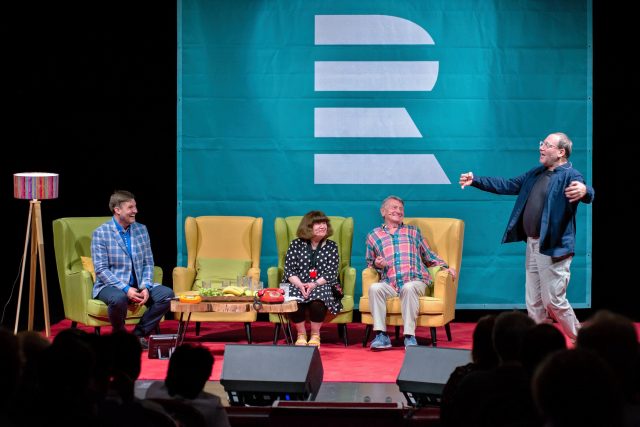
(426, 370)
(261, 374)
(162, 346)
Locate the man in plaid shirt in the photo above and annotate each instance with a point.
(401, 256)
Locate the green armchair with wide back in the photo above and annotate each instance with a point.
(72, 245)
(285, 229)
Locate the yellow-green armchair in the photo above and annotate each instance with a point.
(72, 242)
(445, 237)
(285, 229)
(220, 248)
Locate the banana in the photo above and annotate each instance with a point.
(233, 290)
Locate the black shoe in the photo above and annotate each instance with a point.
(143, 343)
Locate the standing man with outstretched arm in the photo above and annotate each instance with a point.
(544, 216)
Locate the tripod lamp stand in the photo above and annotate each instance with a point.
(34, 186)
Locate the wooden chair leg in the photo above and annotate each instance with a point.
(367, 332)
(276, 333)
(433, 337)
(397, 333)
(447, 329)
(197, 329)
(247, 328)
(74, 324)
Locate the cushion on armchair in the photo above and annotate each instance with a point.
(216, 270)
(87, 264)
(433, 272)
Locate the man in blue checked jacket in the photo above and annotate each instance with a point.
(123, 261)
(545, 217)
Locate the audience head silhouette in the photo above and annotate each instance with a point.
(540, 341)
(577, 388)
(482, 351)
(189, 369)
(613, 337)
(65, 381)
(125, 364)
(508, 335)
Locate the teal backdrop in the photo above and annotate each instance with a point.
(291, 105)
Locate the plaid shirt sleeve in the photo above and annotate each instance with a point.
(371, 253)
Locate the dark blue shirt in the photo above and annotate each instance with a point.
(558, 220)
(126, 238)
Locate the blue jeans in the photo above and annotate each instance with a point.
(117, 302)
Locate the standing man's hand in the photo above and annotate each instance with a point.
(466, 179)
(575, 191)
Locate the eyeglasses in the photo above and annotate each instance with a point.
(547, 145)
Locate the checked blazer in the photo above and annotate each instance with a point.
(112, 261)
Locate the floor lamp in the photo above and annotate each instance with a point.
(34, 186)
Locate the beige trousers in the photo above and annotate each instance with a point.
(546, 289)
(409, 304)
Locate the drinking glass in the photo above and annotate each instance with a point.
(285, 287)
(257, 286)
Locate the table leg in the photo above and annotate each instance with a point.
(286, 328)
(182, 328)
(289, 330)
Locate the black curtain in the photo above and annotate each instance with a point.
(90, 93)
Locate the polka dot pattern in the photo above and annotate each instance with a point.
(298, 263)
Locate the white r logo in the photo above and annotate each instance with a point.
(372, 122)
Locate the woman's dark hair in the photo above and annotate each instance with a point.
(305, 229)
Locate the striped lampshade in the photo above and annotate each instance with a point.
(35, 185)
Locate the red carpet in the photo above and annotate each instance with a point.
(341, 364)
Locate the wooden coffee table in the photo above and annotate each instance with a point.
(231, 306)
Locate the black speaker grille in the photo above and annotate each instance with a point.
(426, 370)
(256, 374)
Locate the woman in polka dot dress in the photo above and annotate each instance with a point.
(311, 270)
